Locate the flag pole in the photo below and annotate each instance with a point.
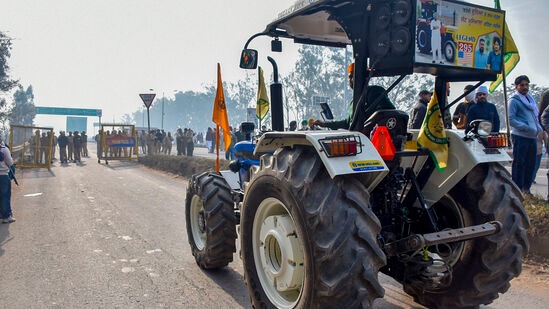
(506, 109)
(217, 148)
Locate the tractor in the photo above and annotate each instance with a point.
(319, 214)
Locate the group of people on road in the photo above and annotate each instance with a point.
(184, 140)
(160, 141)
(72, 147)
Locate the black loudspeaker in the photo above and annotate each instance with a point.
(391, 37)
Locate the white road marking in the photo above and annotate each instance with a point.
(33, 194)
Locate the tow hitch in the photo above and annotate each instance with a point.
(416, 242)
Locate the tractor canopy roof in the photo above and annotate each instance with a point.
(394, 37)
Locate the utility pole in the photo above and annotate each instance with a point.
(163, 96)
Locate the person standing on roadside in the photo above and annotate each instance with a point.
(544, 136)
(179, 141)
(44, 148)
(523, 118)
(6, 162)
(77, 141)
(62, 141)
(53, 146)
(99, 144)
(167, 147)
(189, 142)
(84, 144)
(209, 139)
(70, 146)
(419, 111)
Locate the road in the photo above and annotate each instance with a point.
(91, 235)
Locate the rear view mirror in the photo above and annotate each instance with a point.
(248, 59)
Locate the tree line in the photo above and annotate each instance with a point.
(319, 74)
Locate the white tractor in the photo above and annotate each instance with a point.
(321, 213)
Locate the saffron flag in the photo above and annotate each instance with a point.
(262, 106)
(433, 136)
(511, 55)
(220, 110)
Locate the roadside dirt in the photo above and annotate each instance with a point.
(535, 275)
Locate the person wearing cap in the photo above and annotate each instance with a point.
(459, 117)
(304, 125)
(373, 92)
(482, 109)
(525, 128)
(6, 214)
(419, 111)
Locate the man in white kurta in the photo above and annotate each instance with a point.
(436, 25)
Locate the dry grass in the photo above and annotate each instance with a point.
(538, 211)
(181, 165)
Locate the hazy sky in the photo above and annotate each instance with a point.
(103, 53)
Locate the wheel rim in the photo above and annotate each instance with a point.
(198, 224)
(452, 216)
(278, 253)
(449, 52)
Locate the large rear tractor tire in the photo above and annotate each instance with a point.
(308, 241)
(481, 268)
(211, 221)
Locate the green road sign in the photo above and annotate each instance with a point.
(68, 111)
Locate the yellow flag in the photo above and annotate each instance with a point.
(220, 110)
(433, 136)
(262, 106)
(511, 55)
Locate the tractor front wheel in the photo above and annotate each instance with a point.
(211, 220)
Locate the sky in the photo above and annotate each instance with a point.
(101, 54)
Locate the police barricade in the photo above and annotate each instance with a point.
(31, 146)
(117, 142)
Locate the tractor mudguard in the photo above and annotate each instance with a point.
(366, 160)
(463, 156)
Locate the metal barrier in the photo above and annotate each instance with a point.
(116, 142)
(31, 146)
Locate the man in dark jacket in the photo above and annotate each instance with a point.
(62, 142)
(483, 109)
(420, 109)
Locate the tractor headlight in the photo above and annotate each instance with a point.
(484, 128)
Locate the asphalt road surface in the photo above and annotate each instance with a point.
(92, 235)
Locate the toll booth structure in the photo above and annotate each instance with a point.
(31, 146)
(117, 142)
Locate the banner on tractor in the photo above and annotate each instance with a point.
(459, 34)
